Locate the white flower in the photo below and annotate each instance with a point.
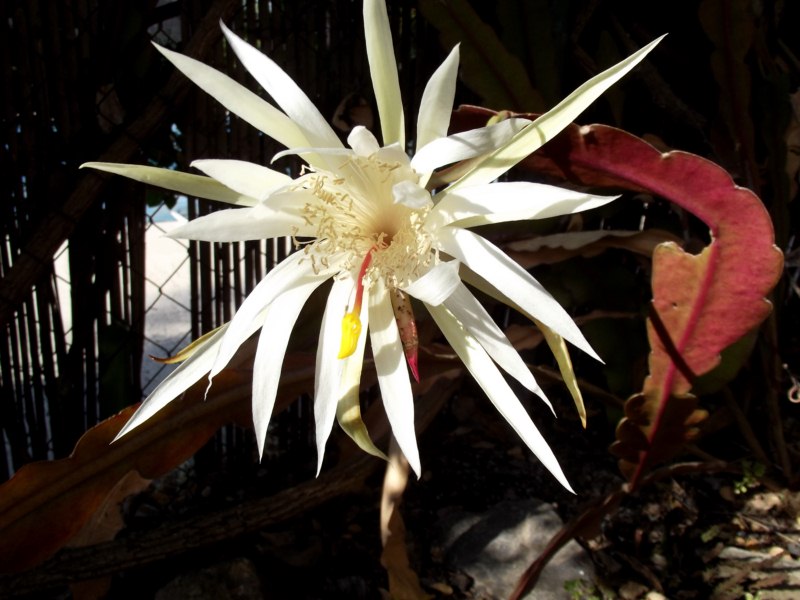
(374, 228)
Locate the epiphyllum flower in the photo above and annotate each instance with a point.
(376, 231)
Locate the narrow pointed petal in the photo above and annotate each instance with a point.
(241, 224)
(465, 145)
(479, 323)
(383, 69)
(390, 364)
(181, 379)
(437, 101)
(280, 319)
(293, 271)
(183, 183)
(556, 343)
(239, 100)
(497, 389)
(559, 349)
(250, 179)
(511, 201)
(348, 409)
(435, 286)
(551, 123)
(285, 91)
(488, 261)
(328, 371)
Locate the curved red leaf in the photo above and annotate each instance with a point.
(701, 303)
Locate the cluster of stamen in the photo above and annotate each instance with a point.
(357, 217)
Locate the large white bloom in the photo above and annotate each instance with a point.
(369, 223)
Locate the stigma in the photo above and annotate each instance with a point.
(351, 322)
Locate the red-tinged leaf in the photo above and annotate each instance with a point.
(645, 437)
(108, 520)
(701, 303)
(103, 526)
(46, 503)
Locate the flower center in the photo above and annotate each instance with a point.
(357, 213)
(372, 213)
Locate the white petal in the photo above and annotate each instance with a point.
(467, 144)
(328, 371)
(513, 201)
(281, 317)
(250, 179)
(435, 286)
(296, 270)
(183, 183)
(488, 261)
(239, 100)
(285, 91)
(393, 377)
(383, 69)
(497, 389)
(479, 323)
(240, 224)
(362, 141)
(551, 123)
(437, 101)
(181, 379)
(411, 195)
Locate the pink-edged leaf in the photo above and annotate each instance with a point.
(701, 303)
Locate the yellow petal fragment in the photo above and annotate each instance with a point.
(559, 349)
(187, 350)
(351, 330)
(348, 413)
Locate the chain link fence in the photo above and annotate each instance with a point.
(91, 282)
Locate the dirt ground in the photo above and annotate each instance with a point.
(728, 532)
